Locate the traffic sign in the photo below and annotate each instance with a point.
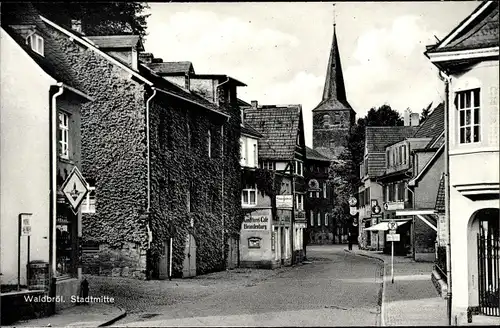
(75, 188)
(393, 237)
(353, 210)
(393, 225)
(376, 209)
(353, 201)
(25, 224)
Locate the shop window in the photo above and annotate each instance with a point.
(65, 241)
(63, 135)
(468, 106)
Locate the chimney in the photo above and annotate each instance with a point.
(76, 25)
(414, 119)
(406, 117)
(146, 57)
(255, 104)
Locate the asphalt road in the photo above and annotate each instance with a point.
(336, 289)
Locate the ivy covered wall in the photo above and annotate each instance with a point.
(114, 154)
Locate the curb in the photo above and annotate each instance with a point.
(382, 304)
(115, 319)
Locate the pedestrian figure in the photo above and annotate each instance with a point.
(349, 240)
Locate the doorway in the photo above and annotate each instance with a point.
(189, 265)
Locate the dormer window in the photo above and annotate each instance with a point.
(36, 42)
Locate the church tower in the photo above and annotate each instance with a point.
(333, 116)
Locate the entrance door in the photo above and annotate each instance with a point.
(163, 264)
(189, 265)
(488, 242)
(232, 256)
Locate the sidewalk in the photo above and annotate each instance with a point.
(92, 315)
(412, 299)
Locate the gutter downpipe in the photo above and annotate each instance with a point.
(447, 79)
(148, 208)
(53, 186)
(222, 179)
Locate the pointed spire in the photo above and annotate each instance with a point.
(334, 90)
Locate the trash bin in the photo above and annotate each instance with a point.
(38, 273)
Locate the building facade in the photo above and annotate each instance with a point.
(468, 59)
(280, 177)
(38, 159)
(321, 225)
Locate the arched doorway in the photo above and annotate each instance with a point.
(486, 223)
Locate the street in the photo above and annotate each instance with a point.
(335, 289)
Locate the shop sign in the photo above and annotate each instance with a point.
(393, 237)
(284, 201)
(394, 206)
(257, 222)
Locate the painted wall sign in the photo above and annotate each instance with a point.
(256, 222)
(284, 201)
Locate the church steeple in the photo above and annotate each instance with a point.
(334, 95)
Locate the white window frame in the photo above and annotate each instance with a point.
(311, 217)
(269, 165)
(299, 169)
(243, 152)
(326, 220)
(468, 110)
(209, 143)
(63, 134)
(318, 217)
(248, 192)
(37, 44)
(86, 204)
(324, 189)
(254, 154)
(299, 205)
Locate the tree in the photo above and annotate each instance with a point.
(99, 18)
(425, 113)
(344, 173)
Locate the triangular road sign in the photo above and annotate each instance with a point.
(75, 188)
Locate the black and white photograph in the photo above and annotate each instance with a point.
(249, 164)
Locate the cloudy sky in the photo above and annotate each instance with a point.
(280, 50)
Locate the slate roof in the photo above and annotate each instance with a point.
(378, 137)
(54, 63)
(480, 33)
(250, 130)
(314, 155)
(117, 41)
(440, 203)
(376, 164)
(433, 126)
(334, 95)
(174, 68)
(279, 127)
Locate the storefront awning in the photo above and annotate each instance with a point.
(383, 226)
(428, 216)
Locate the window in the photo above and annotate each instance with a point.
(209, 143)
(268, 165)
(387, 193)
(388, 158)
(242, 152)
(63, 135)
(299, 202)
(298, 168)
(324, 190)
(319, 218)
(367, 196)
(88, 204)
(467, 103)
(65, 241)
(337, 119)
(400, 155)
(326, 219)
(36, 42)
(249, 196)
(242, 116)
(254, 154)
(404, 154)
(393, 157)
(311, 217)
(316, 193)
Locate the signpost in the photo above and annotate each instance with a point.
(392, 237)
(24, 230)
